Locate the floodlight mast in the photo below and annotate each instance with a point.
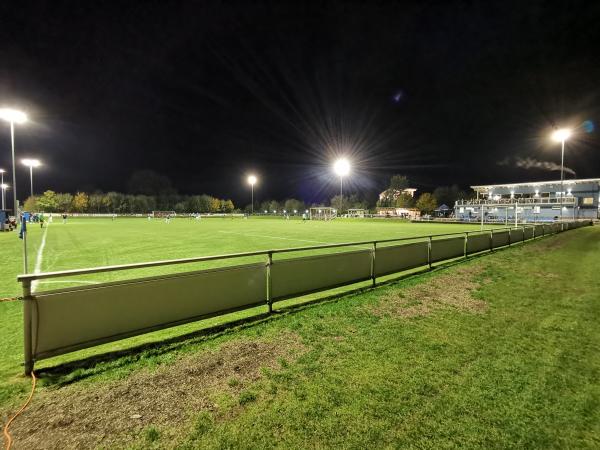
(31, 163)
(342, 168)
(561, 135)
(252, 181)
(13, 116)
(2, 186)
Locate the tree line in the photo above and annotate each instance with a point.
(116, 202)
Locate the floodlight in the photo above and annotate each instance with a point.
(284, 211)
(266, 211)
(561, 135)
(252, 180)
(342, 167)
(295, 211)
(31, 162)
(2, 171)
(3, 186)
(13, 115)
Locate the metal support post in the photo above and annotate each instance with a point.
(373, 278)
(27, 327)
(269, 283)
(491, 240)
(429, 252)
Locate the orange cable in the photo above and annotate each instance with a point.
(7, 435)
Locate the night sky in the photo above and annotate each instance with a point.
(207, 92)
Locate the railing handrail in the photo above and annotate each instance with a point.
(169, 262)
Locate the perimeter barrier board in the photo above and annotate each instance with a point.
(293, 277)
(500, 239)
(65, 320)
(82, 317)
(528, 233)
(448, 248)
(478, 243)
(539, 230)
(516, 235)
(397, 258)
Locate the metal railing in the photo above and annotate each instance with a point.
(568, 200)
(438, 247)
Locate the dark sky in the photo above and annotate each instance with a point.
(207, 92)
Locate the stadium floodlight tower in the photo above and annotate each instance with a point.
(252, 181)
(561, 135)
(341, 168)
(2, 185)
(13, 116)
(31, 163)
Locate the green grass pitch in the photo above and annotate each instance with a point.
(91, 242)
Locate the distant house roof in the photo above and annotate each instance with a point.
(442, 208)
(534, 183)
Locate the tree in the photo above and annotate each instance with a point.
(227, 206)
(80, 202)
(449, 194)
(30, 204)
(48, 201)
(426, 203)
(399, 182)
(95, 202)
(215, 205)
(291, 205)
(64, 202)
(338, 203)
(404, 200)
(273, 206)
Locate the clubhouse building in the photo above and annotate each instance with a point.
(540, 201)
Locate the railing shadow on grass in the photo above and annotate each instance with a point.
(69, 372)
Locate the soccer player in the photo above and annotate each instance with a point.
(64, 217)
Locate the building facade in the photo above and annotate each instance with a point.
(542, 201)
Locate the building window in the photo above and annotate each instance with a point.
(588, 200)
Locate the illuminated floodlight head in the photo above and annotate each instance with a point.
(31, 162)
(561, 135)
(306, 210)
(274, 211)
(252, 180)
(13, 115)
(266, 211)
(2, 171)
(3, 186)
(284, 211)
(295, 211)
(341, 167)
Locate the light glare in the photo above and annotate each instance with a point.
(561, 135)
(13, 115)
(31, 162)
(252, 180)
(342, 167)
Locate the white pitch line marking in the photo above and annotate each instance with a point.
(286, 239)
(274, 237)
(39, 257)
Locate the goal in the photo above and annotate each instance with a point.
(322, 213)
(160, 214)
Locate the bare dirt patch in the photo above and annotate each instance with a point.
(113, 414)
(453, 289)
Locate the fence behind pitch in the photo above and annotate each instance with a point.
(65, 320)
